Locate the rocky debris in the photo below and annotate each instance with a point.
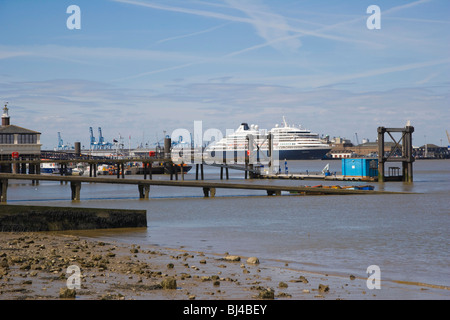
(284, 295)
(66, 293)
(300, 279)
(267, 293)
(253, 260)
(323, 288)
(35, 266)
(303, 279)
(110, 296)
(4, 263)
(169, 283)
(4, 266)
(232, 258)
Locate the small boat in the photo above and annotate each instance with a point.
(177, 168)
(53, 168)
(365, 187)
(48, 167)
(78, 170)
(358, 187)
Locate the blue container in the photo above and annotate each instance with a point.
(360, 167)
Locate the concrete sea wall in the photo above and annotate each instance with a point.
(42, 218)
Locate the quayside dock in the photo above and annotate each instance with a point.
(208, 187)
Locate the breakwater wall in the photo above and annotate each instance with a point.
(42, 218)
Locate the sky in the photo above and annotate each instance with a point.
(140, 69)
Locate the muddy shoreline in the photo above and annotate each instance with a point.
(34, 266)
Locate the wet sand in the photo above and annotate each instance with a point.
(34, 266)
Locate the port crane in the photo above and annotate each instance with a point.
(93, 144)
(61, 145)
(357, 140)
(101, 144)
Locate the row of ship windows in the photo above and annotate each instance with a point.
(282, 144)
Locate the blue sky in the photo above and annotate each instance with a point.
(139, 67)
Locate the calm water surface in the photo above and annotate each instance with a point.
(406, 235)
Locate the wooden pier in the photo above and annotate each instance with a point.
(208, 187)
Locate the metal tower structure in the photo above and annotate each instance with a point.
(405, 150)
(93, 144)
(61, 145)
(101, 140)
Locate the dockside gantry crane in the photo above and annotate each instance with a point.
(100, 144)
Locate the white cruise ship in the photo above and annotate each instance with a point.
(289, 142)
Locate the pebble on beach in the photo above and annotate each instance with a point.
(323, 288)
(253, 260)
(232, 258)
(267, 293)
(169, 283)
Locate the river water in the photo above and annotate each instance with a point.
(406, 235)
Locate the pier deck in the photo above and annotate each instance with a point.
(209, 187)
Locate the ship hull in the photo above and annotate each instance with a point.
(296, 154)
(306, 154)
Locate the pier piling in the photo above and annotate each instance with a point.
(182, 171)
(144, 191)
(209, 192)
(75, 187)
(274, 192)
(3, 190)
